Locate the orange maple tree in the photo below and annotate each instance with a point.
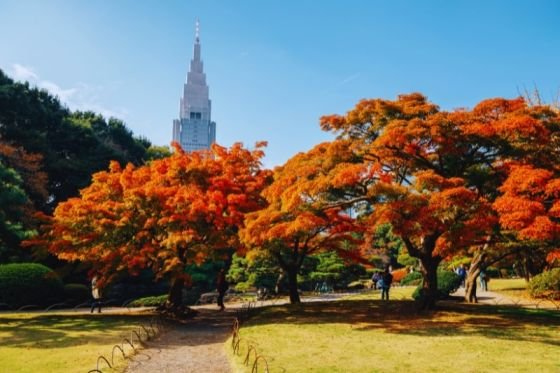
(439, 173)
(431, 181)
(528, 138)
(164, 215)
(298, 221)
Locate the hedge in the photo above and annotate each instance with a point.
(546, 284)
(29, 284)
(77, 292)
(447, 283)
(154, 301)
(413, 278)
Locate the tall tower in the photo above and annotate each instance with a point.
(194, 129)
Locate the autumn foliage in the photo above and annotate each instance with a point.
(447, 182)
(298, 221)
(435, 175)
(170, 212)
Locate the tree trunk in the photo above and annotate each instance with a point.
(293, 285)
(279, 282)
(174, 306)
(175, 296)
(429, 285)
(470, 281)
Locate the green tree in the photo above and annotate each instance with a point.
(73, 146)
(13, 203)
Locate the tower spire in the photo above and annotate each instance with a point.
(197, 31)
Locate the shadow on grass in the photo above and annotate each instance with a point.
(401, 317)
(50, 331)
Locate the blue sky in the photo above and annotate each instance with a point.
(274, 67)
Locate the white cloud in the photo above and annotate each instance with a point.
(348, 79)
(20, 72)
(83, 97)
(65, 95)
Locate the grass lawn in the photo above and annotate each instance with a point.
(365, 335)
(515, 287)
(60, 342)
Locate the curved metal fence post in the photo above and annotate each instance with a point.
(113, 353)
(101, 357)
(248, 356)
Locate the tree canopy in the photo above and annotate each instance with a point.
(164, 215)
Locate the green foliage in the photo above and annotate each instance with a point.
(447, 282)
(76, 292)
(157, 152)
(356, 285)
(413, 278)
(13, 201)
(456, 262)
(493, 272)
(29, 283)
(204, 275)
(406, 260)
(73, 145)
(329, 267)
(387, 244)
(153, 301)
(243, 286)
(259, 272)
(546, 284)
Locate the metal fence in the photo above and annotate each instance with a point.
(130, 346)
(248, 348)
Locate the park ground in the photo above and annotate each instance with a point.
(359, 333)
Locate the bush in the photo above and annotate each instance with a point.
(447, 283)
(356, 285)
(76, 292)
(243, 286)
(154, 301)
(546, 285)
(29, 283)
(493, 272)
(413, 278)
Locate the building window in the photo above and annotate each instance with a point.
(196, 115)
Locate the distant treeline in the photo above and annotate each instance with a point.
(48, 153)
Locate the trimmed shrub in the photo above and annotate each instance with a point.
(413, 278)
(154, 301)
(29, 283)
(76, 292)
(546, 285)
(447, 282)
(356, 285)
(243, 286)
(493, 272)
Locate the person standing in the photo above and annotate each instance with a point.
(462, 273)
(96, 293)
(483, 278)
(221, 286)
(386, 280)
(375, 280)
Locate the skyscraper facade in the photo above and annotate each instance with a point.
(194, 130)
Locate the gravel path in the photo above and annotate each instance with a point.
(198, 344)
(195, 346)
(490, 297)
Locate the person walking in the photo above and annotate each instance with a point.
(386, 281)
(96, 293)
(222, 286)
